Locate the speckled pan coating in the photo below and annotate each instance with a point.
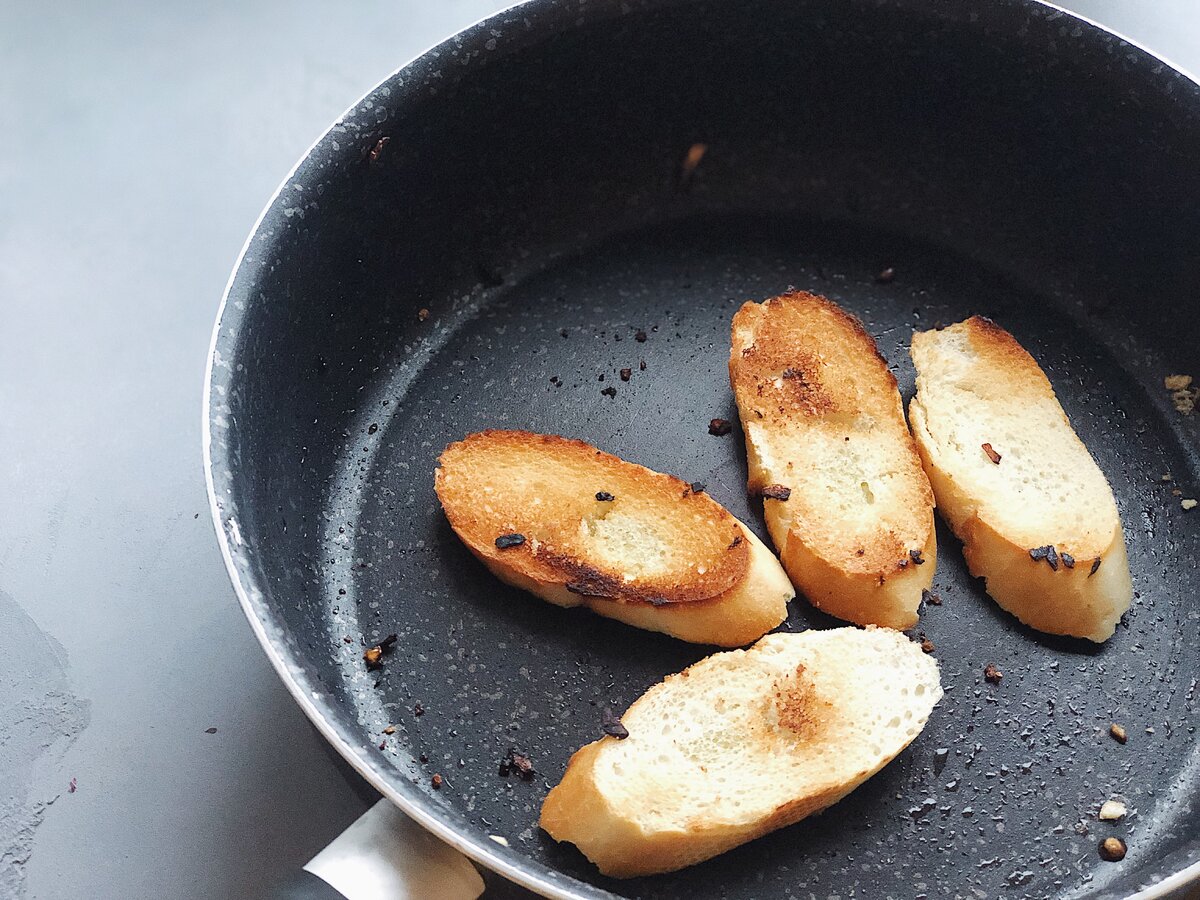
(498, 254)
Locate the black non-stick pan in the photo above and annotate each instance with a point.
(574, 188)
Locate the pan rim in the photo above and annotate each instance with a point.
(531, 875)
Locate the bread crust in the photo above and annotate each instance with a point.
(712, 581)
(983, 499)
(822, 415)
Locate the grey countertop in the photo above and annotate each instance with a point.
(147, 748)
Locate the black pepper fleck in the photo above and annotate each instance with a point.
(506, 541)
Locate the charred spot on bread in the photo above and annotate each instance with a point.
(1067, 559)
(776, 491)
(507, 541)
(1095, 566)
(697, 487)
(916, 557)
(735, 542)
(795, 701)
(605, 497)
(611, 725)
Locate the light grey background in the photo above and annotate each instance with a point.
(138, 143)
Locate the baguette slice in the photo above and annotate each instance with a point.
(740, 744)
(977, 386)
(659, 555)
(823, 417)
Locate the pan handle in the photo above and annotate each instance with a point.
(386, 854)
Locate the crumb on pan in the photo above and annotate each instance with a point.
(691, 161)
(373, 656)
(1183, 395)
(1112, 849)
(1112, 811)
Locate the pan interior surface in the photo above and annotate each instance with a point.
(997, 790)
(534, 226)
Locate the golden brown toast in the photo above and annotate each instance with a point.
(740, 744)
(577, 526)
(823, 419)
(1036, 516)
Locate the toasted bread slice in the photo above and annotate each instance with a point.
(1035, 514)
(823, 418)
(740, 744)
(586, 528)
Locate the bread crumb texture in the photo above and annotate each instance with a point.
(823, 417)
(742, 743)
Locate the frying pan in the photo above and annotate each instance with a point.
(573, 188)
